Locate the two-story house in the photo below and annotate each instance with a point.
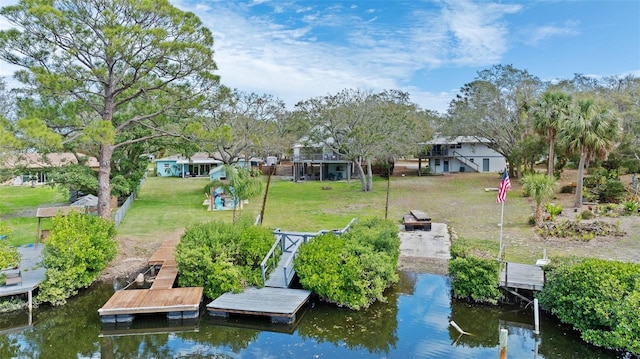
(462, 154)
(318, 163)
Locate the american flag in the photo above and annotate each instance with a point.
(505, 184)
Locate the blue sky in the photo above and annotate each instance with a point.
(296, 50)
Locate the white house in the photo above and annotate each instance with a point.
(462, 154)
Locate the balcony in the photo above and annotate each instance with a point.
(318, 157)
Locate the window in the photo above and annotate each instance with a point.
(437, 162)
(166, 165)
(458, 145)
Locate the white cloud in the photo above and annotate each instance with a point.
(479, 36)
(542, 33)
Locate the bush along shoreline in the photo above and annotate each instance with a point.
(599, 298)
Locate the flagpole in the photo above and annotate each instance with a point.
(501, 223)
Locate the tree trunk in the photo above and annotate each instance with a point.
(369, 176)
(583, 158)
(363, 178)
(104, 185)
(552, 156)
(538, 214)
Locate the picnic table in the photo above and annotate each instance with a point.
(416, 219)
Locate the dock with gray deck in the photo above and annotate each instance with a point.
(522, 276)
(280, 304)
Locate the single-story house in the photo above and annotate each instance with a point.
(198, 165)
(461, 154)
(32, 168)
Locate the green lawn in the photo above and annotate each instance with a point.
(166, 205)
(18, 205)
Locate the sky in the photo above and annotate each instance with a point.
(296, 50)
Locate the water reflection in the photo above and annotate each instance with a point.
(414, 322)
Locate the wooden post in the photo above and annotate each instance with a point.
(30, 300)
(266, 193)
(504, 336)
(536, 316)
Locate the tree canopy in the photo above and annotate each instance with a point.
(365, 127)
(95, 70)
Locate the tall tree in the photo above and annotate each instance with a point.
(107, 66)
(235, 125)
(364, 127)
(551, 109)
(495, 106)
(591, 131)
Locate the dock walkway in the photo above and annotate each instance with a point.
(177, 303)
(275, 300)
(522, 276)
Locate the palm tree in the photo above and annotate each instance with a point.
(590, 131)
(540, 187)
(551, 110)
(243, 184)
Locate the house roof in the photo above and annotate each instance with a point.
(450, 140)
(38, 160)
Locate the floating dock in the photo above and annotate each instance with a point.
(177, 303)
(280, 304)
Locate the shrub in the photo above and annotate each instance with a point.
(223, 257)
(352, 270)
(474, 270)
(599, 298)
(630, 207)
(475, 278)
(553, 209)
(586, 214)
(79, 248)
(612, 191)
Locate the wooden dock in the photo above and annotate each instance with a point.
(280, 304)
(177, 303)
(522, 276)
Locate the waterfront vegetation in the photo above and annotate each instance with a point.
(79, 248)
(223, 257)
(474, 271)
(599, 298)
(352, 270)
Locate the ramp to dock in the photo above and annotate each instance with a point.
(280, 304)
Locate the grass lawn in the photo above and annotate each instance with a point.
(18, 205)
(167, 205)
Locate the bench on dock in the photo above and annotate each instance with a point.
(12, 276)
(416, 219)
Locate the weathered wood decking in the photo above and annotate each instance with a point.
(280, 304)
(521, 276)
(178, 303)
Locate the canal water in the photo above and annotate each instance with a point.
(413, 323)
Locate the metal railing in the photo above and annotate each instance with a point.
(467, 161)
(318, 157)
(289, 242)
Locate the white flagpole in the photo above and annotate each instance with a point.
(501, 224)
